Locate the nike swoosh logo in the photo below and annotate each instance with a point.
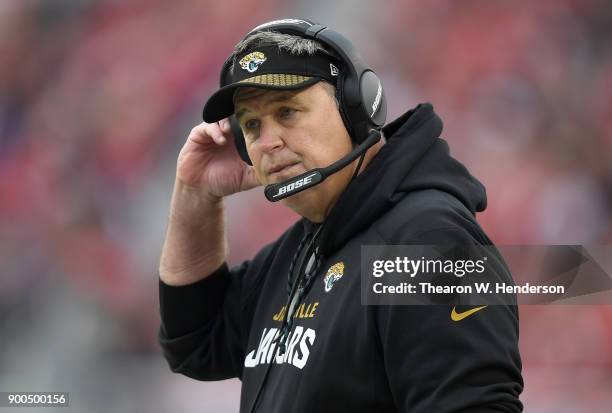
(455, 316)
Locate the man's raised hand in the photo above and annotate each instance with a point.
(210, 162)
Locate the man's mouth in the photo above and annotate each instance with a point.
(281, 168)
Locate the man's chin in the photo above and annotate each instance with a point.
(296, 200)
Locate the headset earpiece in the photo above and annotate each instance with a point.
(373, 99)
(342, 106)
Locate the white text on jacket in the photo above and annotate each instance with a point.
(299, 344)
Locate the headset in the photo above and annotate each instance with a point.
(359, 90)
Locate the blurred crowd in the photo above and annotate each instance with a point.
(96, 98)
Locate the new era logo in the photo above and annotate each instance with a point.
(333, 70)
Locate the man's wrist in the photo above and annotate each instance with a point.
(186, 190)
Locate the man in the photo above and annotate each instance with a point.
(289, 323)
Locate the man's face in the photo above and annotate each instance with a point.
(290, 132)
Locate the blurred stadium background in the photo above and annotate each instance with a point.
(97, 97)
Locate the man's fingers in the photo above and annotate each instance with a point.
(218, 136)
(224, 124)
(205, 131)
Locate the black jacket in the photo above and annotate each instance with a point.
(343, 356)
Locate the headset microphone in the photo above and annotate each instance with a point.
(282, 190)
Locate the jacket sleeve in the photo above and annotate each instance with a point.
(205, 325)
(435, 364)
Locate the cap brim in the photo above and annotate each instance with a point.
(221, 104)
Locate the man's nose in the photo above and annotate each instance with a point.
(270, 136)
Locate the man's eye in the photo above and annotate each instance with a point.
(286, 112)
(251, 124)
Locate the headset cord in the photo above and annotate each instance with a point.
(294, 260)
(281, 337)
(358, 166)
(300, 285)
(304, 283)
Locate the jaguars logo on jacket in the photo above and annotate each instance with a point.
(333, 275)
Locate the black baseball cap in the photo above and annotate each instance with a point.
(268, 67)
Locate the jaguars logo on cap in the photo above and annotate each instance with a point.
(333, 275)
(252, 61)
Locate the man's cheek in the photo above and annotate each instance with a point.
(262, 177)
